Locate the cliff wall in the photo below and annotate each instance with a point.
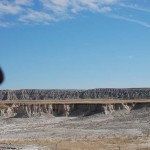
(23, 110)
(131, 93)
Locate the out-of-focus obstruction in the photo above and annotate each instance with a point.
(1, 76)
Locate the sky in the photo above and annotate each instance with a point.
(75, 44)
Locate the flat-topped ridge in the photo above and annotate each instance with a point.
(99, 93)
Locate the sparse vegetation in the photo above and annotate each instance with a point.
(117, 143)
(3, 106)
(76, 101)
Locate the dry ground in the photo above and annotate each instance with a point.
(116, 143)
(99, 132)
(118, 131)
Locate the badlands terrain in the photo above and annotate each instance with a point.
(99, 119)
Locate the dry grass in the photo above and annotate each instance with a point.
(117, 143)
(148, 148)
(75, 101)
(3, 106)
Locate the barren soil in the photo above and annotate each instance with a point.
(120, 130)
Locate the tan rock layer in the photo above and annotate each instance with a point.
(32, 110)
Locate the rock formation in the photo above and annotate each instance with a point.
(131, 93)
(32, 110)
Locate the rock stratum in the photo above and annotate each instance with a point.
(111, 93)
(32, 110)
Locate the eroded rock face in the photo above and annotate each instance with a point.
(75, 94)
(32, 110)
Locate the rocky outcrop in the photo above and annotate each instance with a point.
(32, 110)
(132, 93)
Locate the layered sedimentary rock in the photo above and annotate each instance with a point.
(132, 93)
(32, 110)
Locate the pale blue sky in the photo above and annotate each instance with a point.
(76, 44)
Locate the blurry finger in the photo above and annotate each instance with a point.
(1, 76)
